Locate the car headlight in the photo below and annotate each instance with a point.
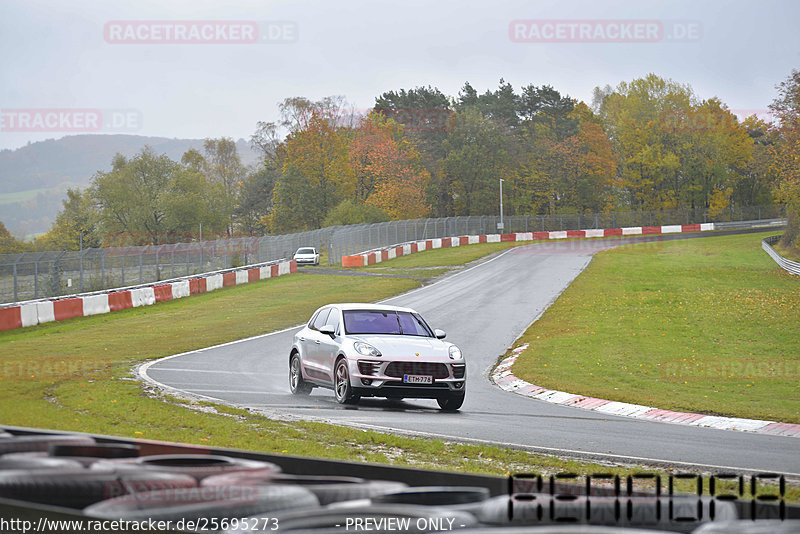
(365, 349)
(455, 353)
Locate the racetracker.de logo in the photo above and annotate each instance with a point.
(199, 32)
(69, 120)
(603, 31)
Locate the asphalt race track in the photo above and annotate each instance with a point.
(483, 309)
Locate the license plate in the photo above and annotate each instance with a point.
(418, 379)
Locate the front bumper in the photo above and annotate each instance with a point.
(369, 377)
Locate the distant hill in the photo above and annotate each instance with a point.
(34, 178)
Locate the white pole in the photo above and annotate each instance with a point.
(501, 204)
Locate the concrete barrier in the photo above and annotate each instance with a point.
(144, 296)
(96, 304)
(181, 289)
(45, 311)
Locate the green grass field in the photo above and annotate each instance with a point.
(708, 325)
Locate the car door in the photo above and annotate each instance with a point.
(312, 344)
(329, 346)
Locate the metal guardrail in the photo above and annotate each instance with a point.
(350, 240)
(756, 223)
(792, 267)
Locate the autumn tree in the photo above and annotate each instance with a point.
(76, 225)
(316, 176)
(255, 200)
(755, 182)
(387, 170)
(425, 113)
(151, 199)
(786, 154)
(673, 150)
(222, 165)
(352, 211)
(558, 174)
(8, 243)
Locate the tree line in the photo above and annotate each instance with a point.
(647, 144)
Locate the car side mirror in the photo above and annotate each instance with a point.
(440, 334)
(328, 329)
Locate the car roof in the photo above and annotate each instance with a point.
(344, 306)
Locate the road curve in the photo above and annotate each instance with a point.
(483, 309)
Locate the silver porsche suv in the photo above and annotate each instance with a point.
(372, 350)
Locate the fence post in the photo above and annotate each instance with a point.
(103, 268)
(15, 280)
(141, 267)
(80, 267)
(123, 269)
(36, 277)
(57, 272)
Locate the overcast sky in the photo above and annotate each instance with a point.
(60, 55)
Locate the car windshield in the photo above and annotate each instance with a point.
(385, 322)
(305, 251)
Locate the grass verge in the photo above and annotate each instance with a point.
(707, 325)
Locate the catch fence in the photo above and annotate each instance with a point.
(34, 275)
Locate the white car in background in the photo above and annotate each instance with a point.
(306, 256)
(371, 350)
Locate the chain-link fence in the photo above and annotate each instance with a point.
(348, 240)
(33, 275)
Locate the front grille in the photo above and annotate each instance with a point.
(369, 368)
(398, 369)
(459, 370)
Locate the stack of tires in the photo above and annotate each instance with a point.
(197, 492)
(218, 493)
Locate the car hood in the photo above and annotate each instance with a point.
(407, 347)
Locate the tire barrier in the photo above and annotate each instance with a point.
(40, 443)
(25, 461)
(80, 487)
(435, 495)
(198, 466)
(243, 495)
(31, 313)
(96, 451)
(328, 489)
(204, 502)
